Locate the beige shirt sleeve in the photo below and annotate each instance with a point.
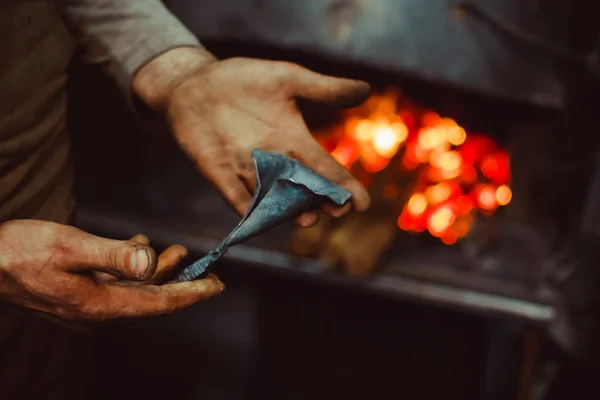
(125, 33)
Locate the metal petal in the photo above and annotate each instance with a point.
(286, 188)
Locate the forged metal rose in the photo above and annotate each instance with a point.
(286, 188)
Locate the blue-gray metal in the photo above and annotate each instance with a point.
(430, 39)
(285, 189)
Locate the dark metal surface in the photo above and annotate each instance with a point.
(503, 360)
(285, 189)
(432, 40)
(535, 307)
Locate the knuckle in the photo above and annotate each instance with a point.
(245, 167)
(235, 194)
(215, 165)
(226, 165)
(248, 176)
(112, 256)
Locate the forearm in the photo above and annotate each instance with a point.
(134, 32)
(154, 81)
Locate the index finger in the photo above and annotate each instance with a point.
(122, 301)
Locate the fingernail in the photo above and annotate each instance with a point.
(140, 262)
(219, 285)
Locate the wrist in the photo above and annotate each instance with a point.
(5, 259)
(155, 81)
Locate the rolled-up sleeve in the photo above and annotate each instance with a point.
(126, 33)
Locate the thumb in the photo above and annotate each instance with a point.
(338, 92)
(126, 259)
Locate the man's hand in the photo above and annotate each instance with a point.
(220, 111)
(64, 272)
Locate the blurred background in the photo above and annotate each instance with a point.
(473, 275)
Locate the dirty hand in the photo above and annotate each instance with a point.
(220, 111)
(63, 272)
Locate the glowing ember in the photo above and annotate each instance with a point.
(449, 237)
(430, 118)
(364, 131)
(438, 193)
(417, 204)
(387, 139)
(487, 198)
(440, 220)
(450, 161)
(503, 195)
(432, 138)
(465, 204)
(456, 135)
(457, 174)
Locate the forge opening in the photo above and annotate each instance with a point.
(435, 160)
(428, 172)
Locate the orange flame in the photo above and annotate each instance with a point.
(417, 204)
(487, 198)
(440, 221)
(503, 195)
(463, 173)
